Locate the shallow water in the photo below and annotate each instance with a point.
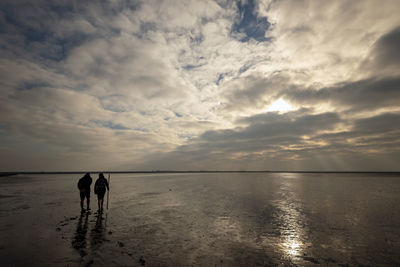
(209, 219)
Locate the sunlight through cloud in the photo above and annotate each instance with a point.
(280, 105)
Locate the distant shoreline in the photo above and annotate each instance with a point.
(2, 174)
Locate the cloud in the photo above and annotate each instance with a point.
(252, 92)
(265, 135)
(272, 140)
(384, 59)
(186, 84)
(370, 94)
(271, 125)
(328, 40)
(382, 123)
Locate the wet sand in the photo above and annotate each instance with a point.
(210, 219)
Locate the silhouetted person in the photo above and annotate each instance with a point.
(100, 188)
(84, 189)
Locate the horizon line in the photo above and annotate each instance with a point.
(9, 173)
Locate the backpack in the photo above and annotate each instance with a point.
(100, 186)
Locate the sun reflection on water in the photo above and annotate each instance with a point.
(292, 247)
(290, 219)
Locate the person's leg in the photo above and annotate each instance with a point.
(98, 202)
(101, 199)
(88, 200)
(82, 199)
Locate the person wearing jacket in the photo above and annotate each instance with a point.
(84, 190)
(100, 188)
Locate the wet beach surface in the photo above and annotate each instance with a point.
(209, 219)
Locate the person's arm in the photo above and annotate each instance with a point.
(108, 188)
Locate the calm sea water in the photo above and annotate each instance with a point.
(210, 219)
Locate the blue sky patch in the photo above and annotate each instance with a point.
(250, 25)
(30, 85)
(220, 77)
(178, 115)
(244, 68)
(190, 66)
(196, 40)
(111, 125)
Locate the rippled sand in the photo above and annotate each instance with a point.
(222, 219)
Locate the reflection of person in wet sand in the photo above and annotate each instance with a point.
(100, 188)
(79, 240)
(97, 233)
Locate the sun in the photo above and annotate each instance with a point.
(280, 105)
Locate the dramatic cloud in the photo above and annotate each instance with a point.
(364, 95)
(187, 85)
(385, 56)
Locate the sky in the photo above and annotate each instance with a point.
(200, 85)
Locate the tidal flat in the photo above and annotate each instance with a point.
(203, 219)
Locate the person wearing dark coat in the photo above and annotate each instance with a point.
(84, 190)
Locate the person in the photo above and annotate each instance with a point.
(84, 190)
(100, 188)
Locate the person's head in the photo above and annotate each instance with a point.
(87, 175)
(101, 175)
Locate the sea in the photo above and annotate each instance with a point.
(203, 219)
